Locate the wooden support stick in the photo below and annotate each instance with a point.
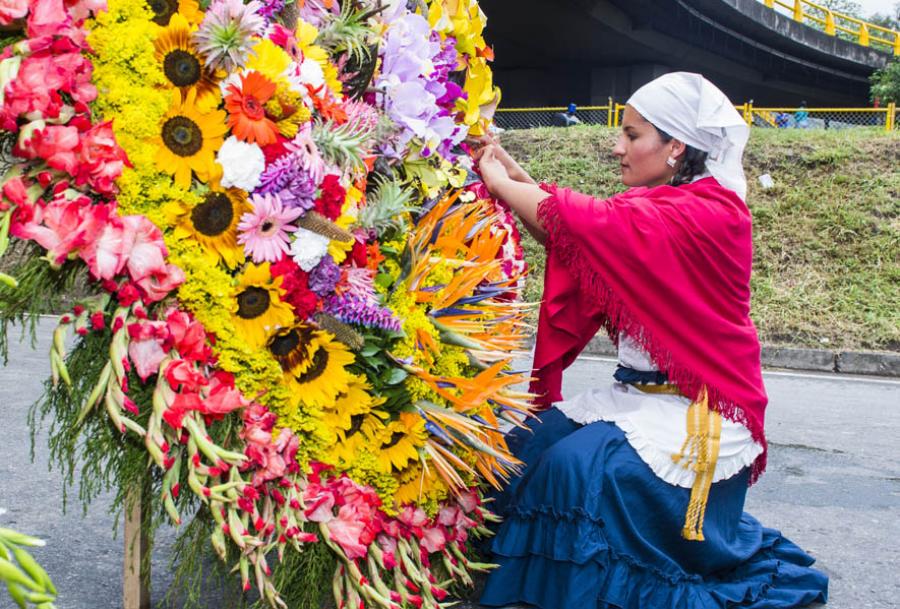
(135, 593)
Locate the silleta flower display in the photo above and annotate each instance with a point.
(293, 294)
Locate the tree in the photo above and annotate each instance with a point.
(886, 83)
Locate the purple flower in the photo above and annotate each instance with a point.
(325, 276)
(287, 178)
(352, 309)
(270, 9)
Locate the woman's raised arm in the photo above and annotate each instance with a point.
(522, 197)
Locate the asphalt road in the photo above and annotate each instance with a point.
(833, 486)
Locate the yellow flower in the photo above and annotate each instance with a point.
(182, 64)
(188, 140)
(270, 60)
(401, 440)
(260, 310)
(314, 364)
(419, 486)
(213, 224)
(165, 10)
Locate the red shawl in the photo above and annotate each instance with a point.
(669, 267)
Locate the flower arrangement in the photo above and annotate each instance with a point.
(304, 308)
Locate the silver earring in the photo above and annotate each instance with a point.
(670, 162)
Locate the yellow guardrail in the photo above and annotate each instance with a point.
(768, 117)
(804, 11)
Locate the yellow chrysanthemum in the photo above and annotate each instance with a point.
(260, 310)
(188, 140)
(165, 10)
(401, 440)
(213, 224)
(182, 64)
(270, 60)
(318, 374)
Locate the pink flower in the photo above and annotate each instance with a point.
(181, 405)
(222, 397)
(146, 347)
(264, 231)
(144, 248)
(161, 283)
(183, 376)
(10, 10)
(56, 144)
(433, 539)
(81, 9)
(188, 336)
(319, 503)
(346, 533)
(100, 159)
(63, 226)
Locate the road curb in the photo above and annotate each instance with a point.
(873, 363)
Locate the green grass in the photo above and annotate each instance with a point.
(826, 237)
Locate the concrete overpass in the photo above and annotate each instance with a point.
(584, 51)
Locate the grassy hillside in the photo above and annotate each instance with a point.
(826, 238)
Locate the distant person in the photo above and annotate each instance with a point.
(567, 118)
(801, 117)
(632, 493)
(782, 120)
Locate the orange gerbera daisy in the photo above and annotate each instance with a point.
(246, 109)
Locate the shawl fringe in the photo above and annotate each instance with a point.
(620, 319)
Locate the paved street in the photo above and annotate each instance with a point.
(833, 485)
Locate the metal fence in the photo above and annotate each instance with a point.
(887, 118)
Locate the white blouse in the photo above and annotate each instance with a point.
(656, 424)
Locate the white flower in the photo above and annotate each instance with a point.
(308, 248)
(242, 164)
(311, 73)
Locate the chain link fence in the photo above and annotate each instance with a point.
(530, 118)
(887, 118)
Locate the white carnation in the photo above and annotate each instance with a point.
(308, 248)
(242, 164)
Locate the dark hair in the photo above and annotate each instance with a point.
(693, 162)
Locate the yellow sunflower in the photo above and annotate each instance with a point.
(164, 10)
(188, 140)
(361, 435)
(418, 483)
(260, 310)
(321, 376)
(182, 64)
(400, 441)
(357, 400)
(213, 224)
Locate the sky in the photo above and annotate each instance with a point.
(876, 6)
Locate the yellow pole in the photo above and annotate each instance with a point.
(863, 34)
(897, 43)
(829, 24)
(770, 3)
(798, 10)
(609, 113)
(889, 119)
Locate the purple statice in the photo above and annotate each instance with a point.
(287, 178)
(325, 276)
(351, 309)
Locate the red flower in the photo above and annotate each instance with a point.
(296, 283)
(332, 197)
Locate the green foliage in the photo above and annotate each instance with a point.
(348, 32)
(40, 289)
(886, 83)
(342, 144)
(386, 207)
(826, 238)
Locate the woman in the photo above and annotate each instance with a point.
(632, 494)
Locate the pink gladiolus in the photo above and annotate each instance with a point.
(433, 539)
(160, 284)
(10, 10)
(181, 405)
(222, 396)
(105, 255)
(81, 9)
(346, 533)
(469, 501)
(63, 226)
(143, 247)
(146, 347)
(188, 336)
(319, 504)
(100, 159)
(184, 376)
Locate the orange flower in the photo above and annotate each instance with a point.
(246, 109)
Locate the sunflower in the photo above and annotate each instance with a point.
(362, 433)
(213, 224)
(260, 310)
(182, 64)
(401, 440)
(418, 483)
(316, 368)
(188, 140)
(164, 10)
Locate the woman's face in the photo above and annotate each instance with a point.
(642, 152)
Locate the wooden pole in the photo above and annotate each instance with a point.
(135, 593)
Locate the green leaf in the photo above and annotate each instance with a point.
(396, 376)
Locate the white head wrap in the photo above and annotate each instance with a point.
(693, 110)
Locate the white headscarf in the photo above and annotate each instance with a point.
(693, 110)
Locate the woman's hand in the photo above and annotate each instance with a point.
(492, 169)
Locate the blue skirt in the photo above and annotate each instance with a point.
(589, 525)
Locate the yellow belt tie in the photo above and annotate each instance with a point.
(699, 452)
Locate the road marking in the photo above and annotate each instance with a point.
(826, 376)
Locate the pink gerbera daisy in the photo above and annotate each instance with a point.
(264, 231)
